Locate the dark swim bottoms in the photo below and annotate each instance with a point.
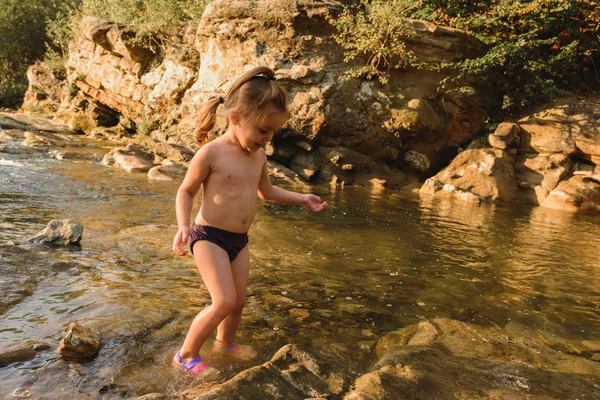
(231, 242)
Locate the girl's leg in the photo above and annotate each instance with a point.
(213, 264)
(239, 269)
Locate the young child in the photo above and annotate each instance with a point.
(231, 171)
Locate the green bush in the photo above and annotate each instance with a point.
(22, 42)
(375, 35)
(534, 47)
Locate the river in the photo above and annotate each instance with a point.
(333, 282)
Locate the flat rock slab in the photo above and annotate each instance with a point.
(31, 123)
(23, 352)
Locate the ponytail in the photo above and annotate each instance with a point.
(207, 119)
(253, 94)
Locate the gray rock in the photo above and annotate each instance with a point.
(61, 232)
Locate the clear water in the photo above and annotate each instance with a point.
(333, 282)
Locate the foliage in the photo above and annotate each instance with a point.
(534, 47)
(375, 32)
(149, 17)
(22, 42)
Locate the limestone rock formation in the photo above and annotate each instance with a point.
(404, 125)
(45, 90)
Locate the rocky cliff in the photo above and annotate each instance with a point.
(341, 130)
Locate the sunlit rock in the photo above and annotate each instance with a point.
(487, 174)
(504, 136)
(45, 89)
(48, 139)
(577, 193)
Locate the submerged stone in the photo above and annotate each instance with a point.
(78, 342)
(60, 232)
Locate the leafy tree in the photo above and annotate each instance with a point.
(23, 42)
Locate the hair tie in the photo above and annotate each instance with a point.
(271, 78)
(221, 100)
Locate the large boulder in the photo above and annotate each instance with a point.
(477, 174)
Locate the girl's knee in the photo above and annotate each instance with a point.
(225, 307)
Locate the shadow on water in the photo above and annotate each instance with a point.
(333, 283)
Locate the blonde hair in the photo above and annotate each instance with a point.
(253, 95)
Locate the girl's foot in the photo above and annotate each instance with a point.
(236, 350)
(195, 367)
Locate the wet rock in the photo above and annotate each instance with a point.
(78, 342)
(278, 171)
(305, 165)
(448, 356)
(132, 158)
(61, 232)
(290, 374)
(23, 352)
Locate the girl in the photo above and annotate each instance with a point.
(230, 170)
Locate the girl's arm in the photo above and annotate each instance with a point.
(196, 174)
(269, 192)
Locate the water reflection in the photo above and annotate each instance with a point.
(334, 282)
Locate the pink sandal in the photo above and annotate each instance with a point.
(195, 366)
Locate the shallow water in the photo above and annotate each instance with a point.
(333, 282)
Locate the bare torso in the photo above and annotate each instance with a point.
(229, 193)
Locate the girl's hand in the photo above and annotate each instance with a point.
(313, 202)
(181, 238)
